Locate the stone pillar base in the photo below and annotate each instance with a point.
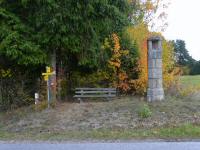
(156, 94)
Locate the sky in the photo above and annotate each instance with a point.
(184, 23)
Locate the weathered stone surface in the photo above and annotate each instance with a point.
(155, 73)
(155, 90)
(154, 63)
(155, 54)
(154, 38)
(151, 98)
(155, 83)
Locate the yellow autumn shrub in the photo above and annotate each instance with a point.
(140, 34)
(118, 76)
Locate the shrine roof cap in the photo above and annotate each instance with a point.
(154, 38)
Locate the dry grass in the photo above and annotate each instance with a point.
(117, 115)
(115, 119)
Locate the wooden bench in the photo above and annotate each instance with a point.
(94, 92)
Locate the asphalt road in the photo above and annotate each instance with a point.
(103, 146)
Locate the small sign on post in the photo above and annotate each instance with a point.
(47, 75)
(36, 98)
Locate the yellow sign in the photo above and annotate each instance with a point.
(47, 73)
(46, 78)
(48, 69)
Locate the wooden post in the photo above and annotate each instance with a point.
(47, 76)
(53, 83)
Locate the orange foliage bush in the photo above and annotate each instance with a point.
(140, 34)
(118, 77)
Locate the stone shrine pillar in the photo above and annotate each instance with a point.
(155, 90)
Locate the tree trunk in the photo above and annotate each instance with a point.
(53, 83)
(59, 79)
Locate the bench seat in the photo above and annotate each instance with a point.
(95, 92)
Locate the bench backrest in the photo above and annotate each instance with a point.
(95, 92)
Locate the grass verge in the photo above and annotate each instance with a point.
(186, 131)
(193, 81)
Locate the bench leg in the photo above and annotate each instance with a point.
(80, 100)
(107, 99)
